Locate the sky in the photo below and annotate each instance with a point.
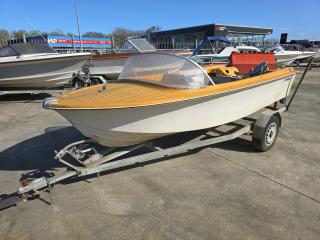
(300, 19)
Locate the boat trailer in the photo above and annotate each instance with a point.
(84, 158)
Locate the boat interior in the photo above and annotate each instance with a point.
(217, 73)
(241, 66)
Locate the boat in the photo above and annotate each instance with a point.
(110, 65)
(287, 57)
(306, 46)
(217, 50)
(37, 66)
(159, 94)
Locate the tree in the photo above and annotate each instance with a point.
(95, 34)
(56, 32)
(33, 33)
(120, 34)
(4, 36)
(18, 34)
(70, 34)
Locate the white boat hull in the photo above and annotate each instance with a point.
(40, 73)
(126, 126)
(286, 58)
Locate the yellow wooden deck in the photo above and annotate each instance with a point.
(119, 95)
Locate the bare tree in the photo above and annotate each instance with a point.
(56, 32)
(121, 34)
(33, 33)
(70, 34)
(4, 36)
(18, 34)
(95, 34)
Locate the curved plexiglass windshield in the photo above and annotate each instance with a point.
(166, 70)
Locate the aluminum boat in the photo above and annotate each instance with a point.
(159, 94)
(37, 66)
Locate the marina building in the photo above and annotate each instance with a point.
(190, 37)
(65, 44)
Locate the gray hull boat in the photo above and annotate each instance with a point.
(37, 66)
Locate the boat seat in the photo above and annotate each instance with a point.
(221, 70)
(222, 74)
(220, 79)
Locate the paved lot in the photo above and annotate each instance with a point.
(228, 191)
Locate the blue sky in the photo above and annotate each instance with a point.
(300, 19)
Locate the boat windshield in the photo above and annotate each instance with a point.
(166, 70)
(137, 45)
(25, 48)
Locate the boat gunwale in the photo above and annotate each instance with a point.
(177, 101)
(43, 57)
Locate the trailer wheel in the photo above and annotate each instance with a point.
(265, 141)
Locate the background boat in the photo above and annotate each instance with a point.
(110, 65)
(37, 66)
(217, 50)
(287, 57)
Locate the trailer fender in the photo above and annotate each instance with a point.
(261, 123)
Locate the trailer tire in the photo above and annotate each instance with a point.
(267, 137)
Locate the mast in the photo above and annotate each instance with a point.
(78, 24)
